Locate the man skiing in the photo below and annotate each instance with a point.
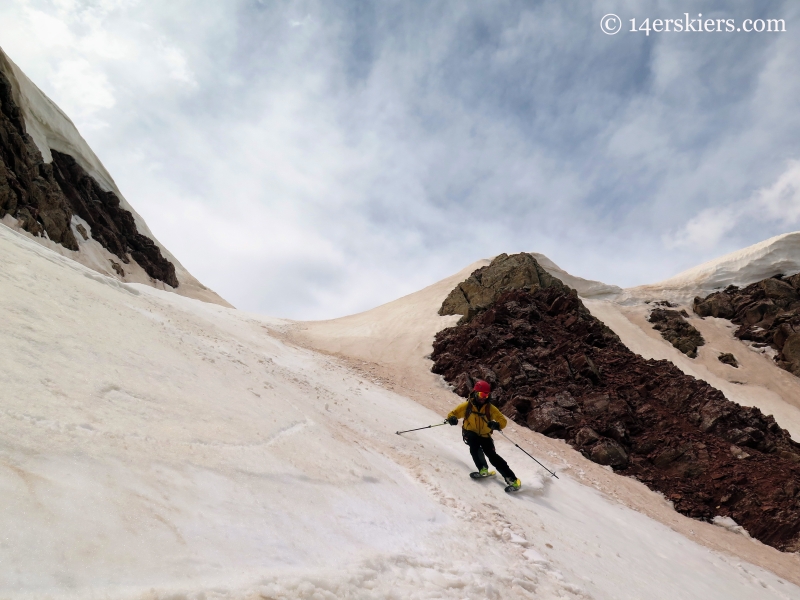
(481, 418)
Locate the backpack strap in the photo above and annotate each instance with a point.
(483, 415)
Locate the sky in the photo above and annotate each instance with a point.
(314, 159)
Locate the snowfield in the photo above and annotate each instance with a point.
(155, 446)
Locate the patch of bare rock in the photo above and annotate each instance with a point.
(767, 312)
(677, 330)
(728, 359)
(560, 371)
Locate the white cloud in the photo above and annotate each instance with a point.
(781, 200)
(778, 203)
(82, 89)
(178, 65)
(309, 158)
(705, 230)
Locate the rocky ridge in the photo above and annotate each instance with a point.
(43, 197)
(767, 312)
(560, 371)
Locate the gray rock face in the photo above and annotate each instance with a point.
(586, 436)
(484, 286)
(550, 417)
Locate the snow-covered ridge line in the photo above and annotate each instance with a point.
(586, 288)
(51, 131)
(779, 255)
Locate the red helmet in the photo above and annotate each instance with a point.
(482, 386)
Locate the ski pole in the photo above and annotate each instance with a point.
(418, 428)
(553, 473)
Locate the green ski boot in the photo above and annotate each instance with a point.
(482, 473)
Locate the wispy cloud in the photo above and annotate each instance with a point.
(781, 200)
(776, 205)
(310, 159)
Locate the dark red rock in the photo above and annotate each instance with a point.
(767, 312)
(677, 330)
(561, 371)
(609, 452)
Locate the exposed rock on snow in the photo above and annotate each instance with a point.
(53, 187)
(728, 359)
(560, 371)
(113, 226)
(28, 188)
(677, 330)
(767, 312)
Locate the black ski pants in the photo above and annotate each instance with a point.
(482, 448)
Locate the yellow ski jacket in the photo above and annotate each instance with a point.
(478, 420)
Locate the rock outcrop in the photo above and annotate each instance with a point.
(482, 288)
(28, 189)
(43, 197)
(767, 312)
(560, 371)
(677, 330)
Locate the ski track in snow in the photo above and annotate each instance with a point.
(152, 446)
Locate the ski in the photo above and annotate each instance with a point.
(477, 475)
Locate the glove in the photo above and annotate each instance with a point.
(452, 420)
(494, 425)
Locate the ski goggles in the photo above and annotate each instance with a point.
(482, 395)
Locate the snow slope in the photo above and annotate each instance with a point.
(154, 446)
(587, 288)
(777, 255)
(51, 129)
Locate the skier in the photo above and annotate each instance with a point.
(481, 418)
